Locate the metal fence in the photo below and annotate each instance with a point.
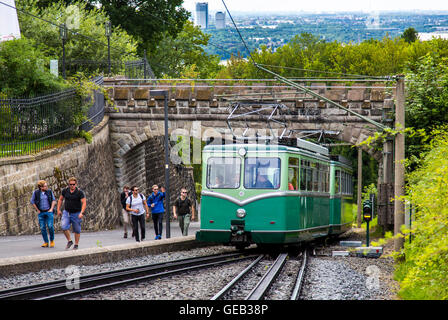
(136, 69)
(31, 125)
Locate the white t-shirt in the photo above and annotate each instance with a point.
(137, 203)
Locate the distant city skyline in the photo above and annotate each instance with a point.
(294, 6)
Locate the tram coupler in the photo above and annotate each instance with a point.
(238, 234)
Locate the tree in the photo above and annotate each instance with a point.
(24, 70)
(410, 35)
(86, 38)
(427, 98)
(146, 20)
(184, 55)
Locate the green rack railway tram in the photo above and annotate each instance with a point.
(272, 194)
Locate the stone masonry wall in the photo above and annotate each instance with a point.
(144, 164)
(91, 164)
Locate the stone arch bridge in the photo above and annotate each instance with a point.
(201, 109)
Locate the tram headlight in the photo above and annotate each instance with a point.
(242, 152)
(240, 213)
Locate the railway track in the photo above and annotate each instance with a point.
(259, 291)
(100, 281)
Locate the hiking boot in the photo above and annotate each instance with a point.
(75, 247)
(52, 244)
(69, 244)
(125, 235)
(45, 245)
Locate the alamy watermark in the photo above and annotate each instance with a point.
(373, 279)
(72, 277)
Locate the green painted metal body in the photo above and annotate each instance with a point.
(273, 216)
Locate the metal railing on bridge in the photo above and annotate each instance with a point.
(31, 125)
(130, 69)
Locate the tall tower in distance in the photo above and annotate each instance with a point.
(220, 20)
(202, 14)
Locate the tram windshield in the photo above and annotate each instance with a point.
(262, 173)
(223, 173)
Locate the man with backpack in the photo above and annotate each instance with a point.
(127, 219)
(137, 206)
(43, 201)
(184, 209)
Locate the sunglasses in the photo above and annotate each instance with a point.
(183, 192)
(72, 184)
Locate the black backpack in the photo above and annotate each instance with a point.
(130, 201)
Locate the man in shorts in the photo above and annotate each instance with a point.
(75, 206)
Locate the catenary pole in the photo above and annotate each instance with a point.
(164, 93)
(399, 164)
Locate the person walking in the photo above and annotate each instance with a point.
(137, 206)
(127, 220)
(75, 204)
(155, 201)
(184, 209)
(43, 201)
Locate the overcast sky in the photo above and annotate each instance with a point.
(319, 5)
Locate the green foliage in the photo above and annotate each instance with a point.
(183, 56)
(78, 19)
(147, 20)
(305, 53)
(24, 70)
(427, 98)
(410, 35)
(424, 274)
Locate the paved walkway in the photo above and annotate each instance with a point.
(28, 245)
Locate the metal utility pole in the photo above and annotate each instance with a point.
(399, 164)
(359, 198)
(164, 93)
(108, 29)
(63, 34)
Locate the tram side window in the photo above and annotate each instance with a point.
(309, 179)
(323, 178)
(337, 182)
(223, 173)
(262, 173)
(302, 179)
(293, 173)
(315, 178)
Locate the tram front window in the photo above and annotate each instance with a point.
(262, 173)
(223, 173)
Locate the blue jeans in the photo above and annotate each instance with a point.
(71, 219)
(46, 219)
(157, 218)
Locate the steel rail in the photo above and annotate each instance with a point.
(235, 280)
(58, 288)
(265, 283)
(299, 281)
